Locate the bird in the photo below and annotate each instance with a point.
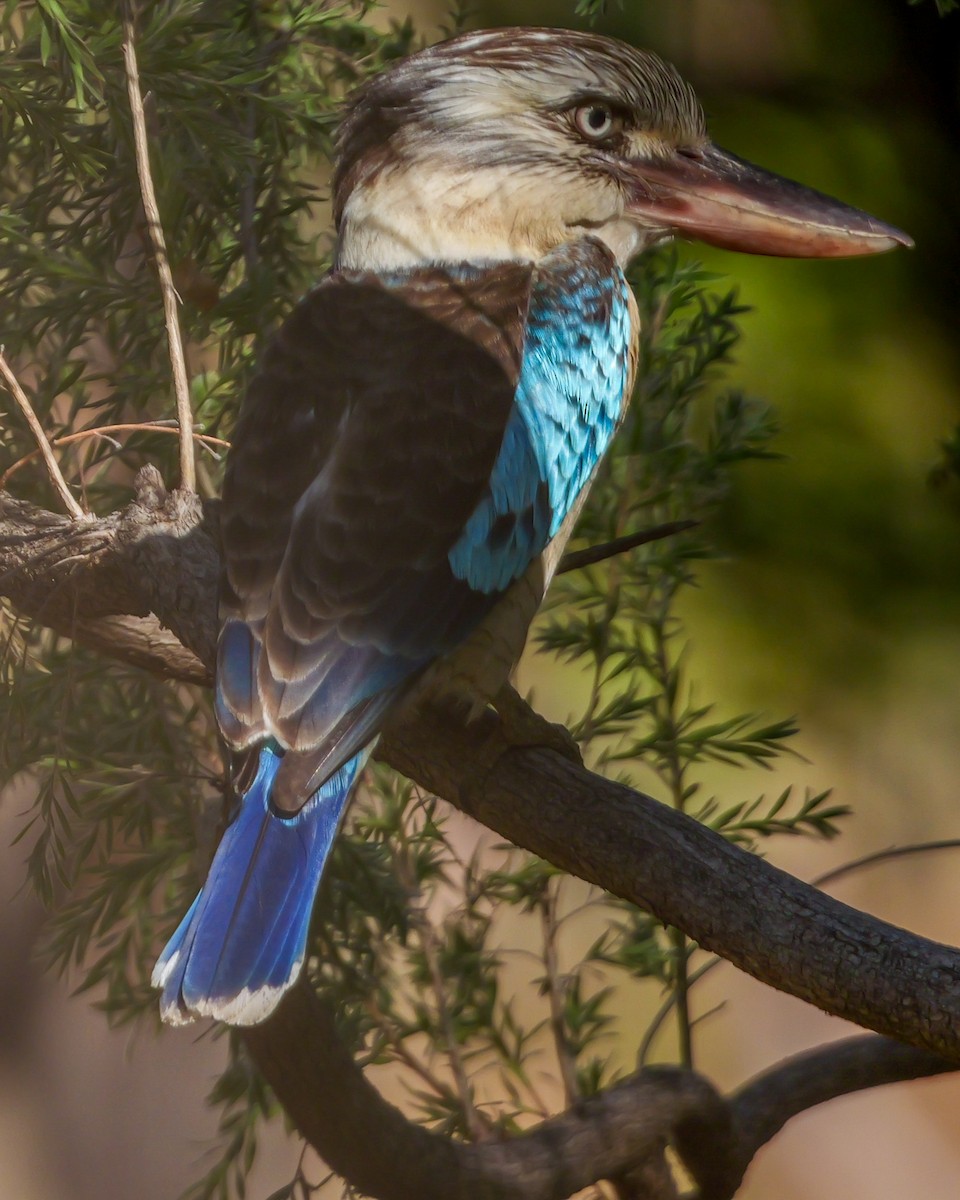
(423, 429)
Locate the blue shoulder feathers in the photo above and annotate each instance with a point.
(567, 405)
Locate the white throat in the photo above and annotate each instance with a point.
(408, 219)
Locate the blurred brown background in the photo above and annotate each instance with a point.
(838, 601)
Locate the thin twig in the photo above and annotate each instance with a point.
(430, 947)
(178, 366)
(431, 953)
(879, 856)
(672, 770)
(576, 559)
(587, 727)
(666, 1009)
(43, 443)
(103, 431)
(566, 1058)
(396, 1044)
(681, 984)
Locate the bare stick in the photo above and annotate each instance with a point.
(178, 366)
(881, 856)
(479, 1131)
(104, 431)
(43, 444)
(573, 560)
(555, 990)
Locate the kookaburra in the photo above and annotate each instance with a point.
(424, 428)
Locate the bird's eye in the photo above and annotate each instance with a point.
(596, 121)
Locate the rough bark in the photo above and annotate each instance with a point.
(140, 585)
(156, 562)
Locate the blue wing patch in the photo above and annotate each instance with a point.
(568, 402)
(512, 523)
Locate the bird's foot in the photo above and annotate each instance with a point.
(523, 728)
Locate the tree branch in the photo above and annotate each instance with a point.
(762, 1107)
(383, 1154)
(574, 560)
(159, 556)
(105, 432)
(141, 642)
(774, 927)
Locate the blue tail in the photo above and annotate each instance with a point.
(244, 940)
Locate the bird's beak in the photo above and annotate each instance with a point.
(713, 196)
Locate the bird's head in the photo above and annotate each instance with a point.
(507, 143)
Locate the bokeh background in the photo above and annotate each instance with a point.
(836, 600)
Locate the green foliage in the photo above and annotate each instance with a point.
(594, 9)
(945, 475)
(943, 6)
(123, 768)
(459, 969)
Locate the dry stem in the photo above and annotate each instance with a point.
(43, 443)
(178, 366)
(104, 431)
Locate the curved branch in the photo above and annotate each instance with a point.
(762, 1107)
(363, 1137)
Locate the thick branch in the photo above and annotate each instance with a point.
(159, 556)
(369, 1141)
